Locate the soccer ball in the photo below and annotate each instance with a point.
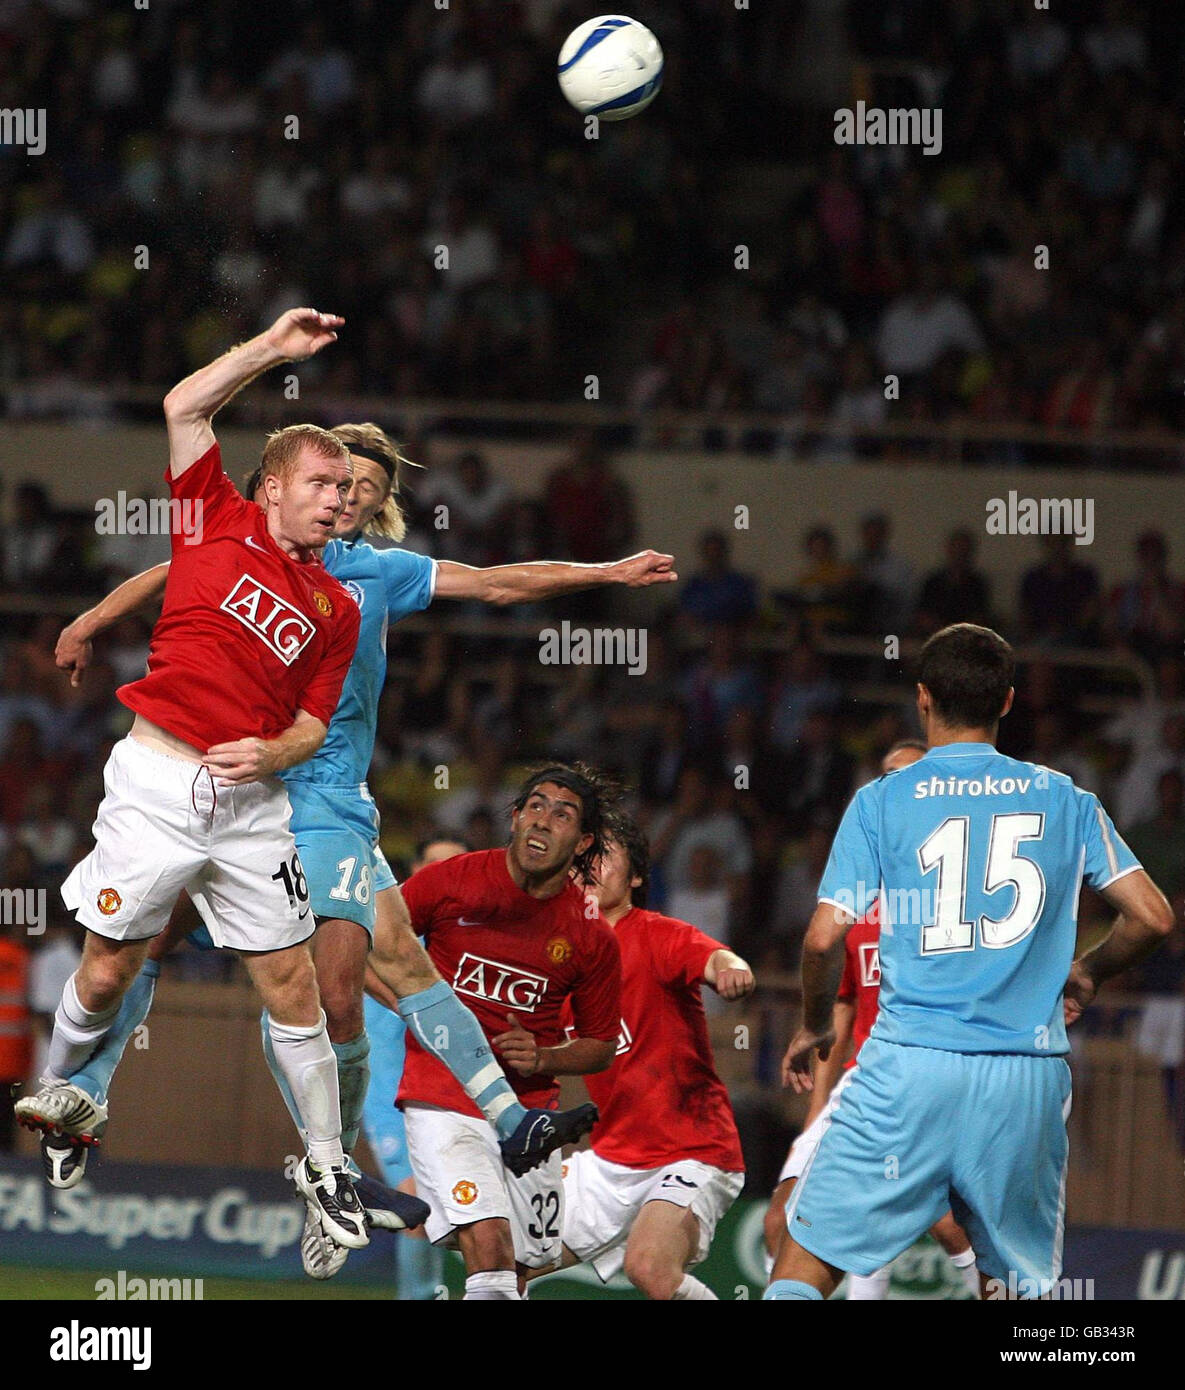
(610, 67)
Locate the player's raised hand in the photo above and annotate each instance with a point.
(645, 568)
(796, 1065)
(73, 652)
(1079, 991)
(244, 760)
(518, 1048)
(735, 983)
(301, 332)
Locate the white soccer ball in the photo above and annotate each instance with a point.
(610, 67)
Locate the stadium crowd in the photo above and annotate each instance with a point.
(215, 164)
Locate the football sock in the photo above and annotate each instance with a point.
(95, 1076)
(964, 1262)
(444, 1026)
(353, 1077)
(420, 1270)
(868, 1288)
(691, 1289)
(76, 1033)
(782, 1290)
(305, 1056)
(501, 1284)
(281, 1080)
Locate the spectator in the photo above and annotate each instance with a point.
(1159, 843)
(701, 816)
(888, 578)
(1148, 610)
(956, 593)
(826, 588)
(818, 774)
(1059, 598)
(590, 513)
(719, 684)
(717, 593)
(1136, 796)
(803, 686)
(470, 528)
(921, 326)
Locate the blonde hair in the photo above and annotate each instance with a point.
(389, 520)
(282, 447)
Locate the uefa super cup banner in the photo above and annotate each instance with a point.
(200, 1222)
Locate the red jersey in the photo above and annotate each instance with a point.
(247, 635)
(661, 1100)
(505, 952)
(861, 979)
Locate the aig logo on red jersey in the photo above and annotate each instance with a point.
(282, 628)
(625, 1039)
(870, 964)
(500, 984)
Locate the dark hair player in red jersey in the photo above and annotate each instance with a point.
(665, 1163)
(244, 673)
(516, 937)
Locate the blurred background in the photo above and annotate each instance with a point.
(809, 369)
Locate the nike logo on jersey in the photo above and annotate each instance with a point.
(472, 922)
(671, 1179)
(254, 544)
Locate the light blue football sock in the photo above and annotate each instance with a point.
(353, 1077)
(419, 1271)
(783, 1289)
(99, 1067)
(450, 1032)
(269, 1053)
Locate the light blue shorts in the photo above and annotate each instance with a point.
(918, 1131)
(381, 1120)
(337, 837)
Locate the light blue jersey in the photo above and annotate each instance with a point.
(387, 585)
(334, 818)
(978, 860)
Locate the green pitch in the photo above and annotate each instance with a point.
(22, 1282)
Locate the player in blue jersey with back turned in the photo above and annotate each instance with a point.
(359, 909)
(962, 1092)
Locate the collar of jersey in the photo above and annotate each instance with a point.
(961, 750)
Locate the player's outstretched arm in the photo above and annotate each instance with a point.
(191, 405)
(1145, 919)
(729, 975)
(250, 759)
(542, 579)
(74, 650)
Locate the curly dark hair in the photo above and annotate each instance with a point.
(599, 794)
(622, 827)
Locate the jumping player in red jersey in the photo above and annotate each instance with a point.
(516, 937)
(852, 1019)
(245, 671)
(665, 1163)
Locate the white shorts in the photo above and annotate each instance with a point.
(602, 1201)
(808, 1141)
(163, 826)
(460, 1174)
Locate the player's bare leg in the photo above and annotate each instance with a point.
(661, 1244)
(407, 980)
(487, 1248)
(957, 1244)
(775, 1217)
(798, 1271)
